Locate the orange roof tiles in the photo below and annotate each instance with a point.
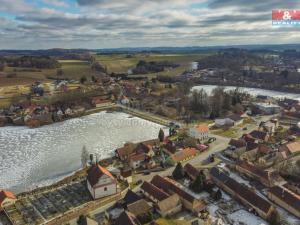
(293, 147)
(184, 154)
(202, 128)
(95, 172)
(4, 195)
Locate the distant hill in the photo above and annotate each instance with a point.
(60, 52)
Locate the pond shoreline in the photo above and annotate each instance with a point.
(285, 90)
(255, 91)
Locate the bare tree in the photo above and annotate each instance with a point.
(84, 156)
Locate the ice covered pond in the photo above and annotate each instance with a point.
(252, 91)
(35, 157)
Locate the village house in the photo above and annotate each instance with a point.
(126, 175)
(100, 101)
(269, 126)
(242, 193)
(125, 152)
(237, 144)
(169, 206)
(129, 149)
(293, 186)
(126, 218)
(188, 201)
(184, 154)
(199, 132)
(286, 199)
(267, 178)
(223, 122)
(236, 148)
(291, 148)
(145, 149)
(287, 104)
(124, 100)
(87, 221)
(136, 161)
(191, 171)
(236, 118)
(259, 136)
(130, 198)
(100, 182)
(6, 198)
(153, 193)
(268, 108)
(140, 208)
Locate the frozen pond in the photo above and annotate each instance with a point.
(35, 157)
(252, 91)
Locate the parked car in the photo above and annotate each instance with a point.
(139, 182)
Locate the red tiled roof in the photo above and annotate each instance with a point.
(184, 154)
(264, 149)
(287, 196)
(251, 146)
(169, 185)
(238, 143)
(4, 195)
(202, 128)
(126, 150)
(95, 172)
(258, 134)
(142, 148)
(191, 170)
(154, 191)
(241, 191)
(253, 169)
(138, 157)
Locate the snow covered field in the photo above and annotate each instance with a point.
(35, 157)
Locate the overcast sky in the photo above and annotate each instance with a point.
(40, 24)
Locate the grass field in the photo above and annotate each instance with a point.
(121, 63)
(75, 69)
(164, 221)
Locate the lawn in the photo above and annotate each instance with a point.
(72, 69)
(163, 221)
(75, 69)
(230, 133)
(121, 63)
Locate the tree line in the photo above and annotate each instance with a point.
(218, 103)
(30, 62)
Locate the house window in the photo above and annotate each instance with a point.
(105, 189)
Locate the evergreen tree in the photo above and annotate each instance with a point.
(161, 135)
(218, 195)
(84, 156)
(178, 172)
(198, 185)
(274, 218)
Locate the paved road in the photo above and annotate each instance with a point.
(220, 144)
(217, 146)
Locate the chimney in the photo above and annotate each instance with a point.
(282, 193)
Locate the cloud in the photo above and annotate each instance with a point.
(57, 3)
(130, 23)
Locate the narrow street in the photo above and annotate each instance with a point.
(217, 146)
